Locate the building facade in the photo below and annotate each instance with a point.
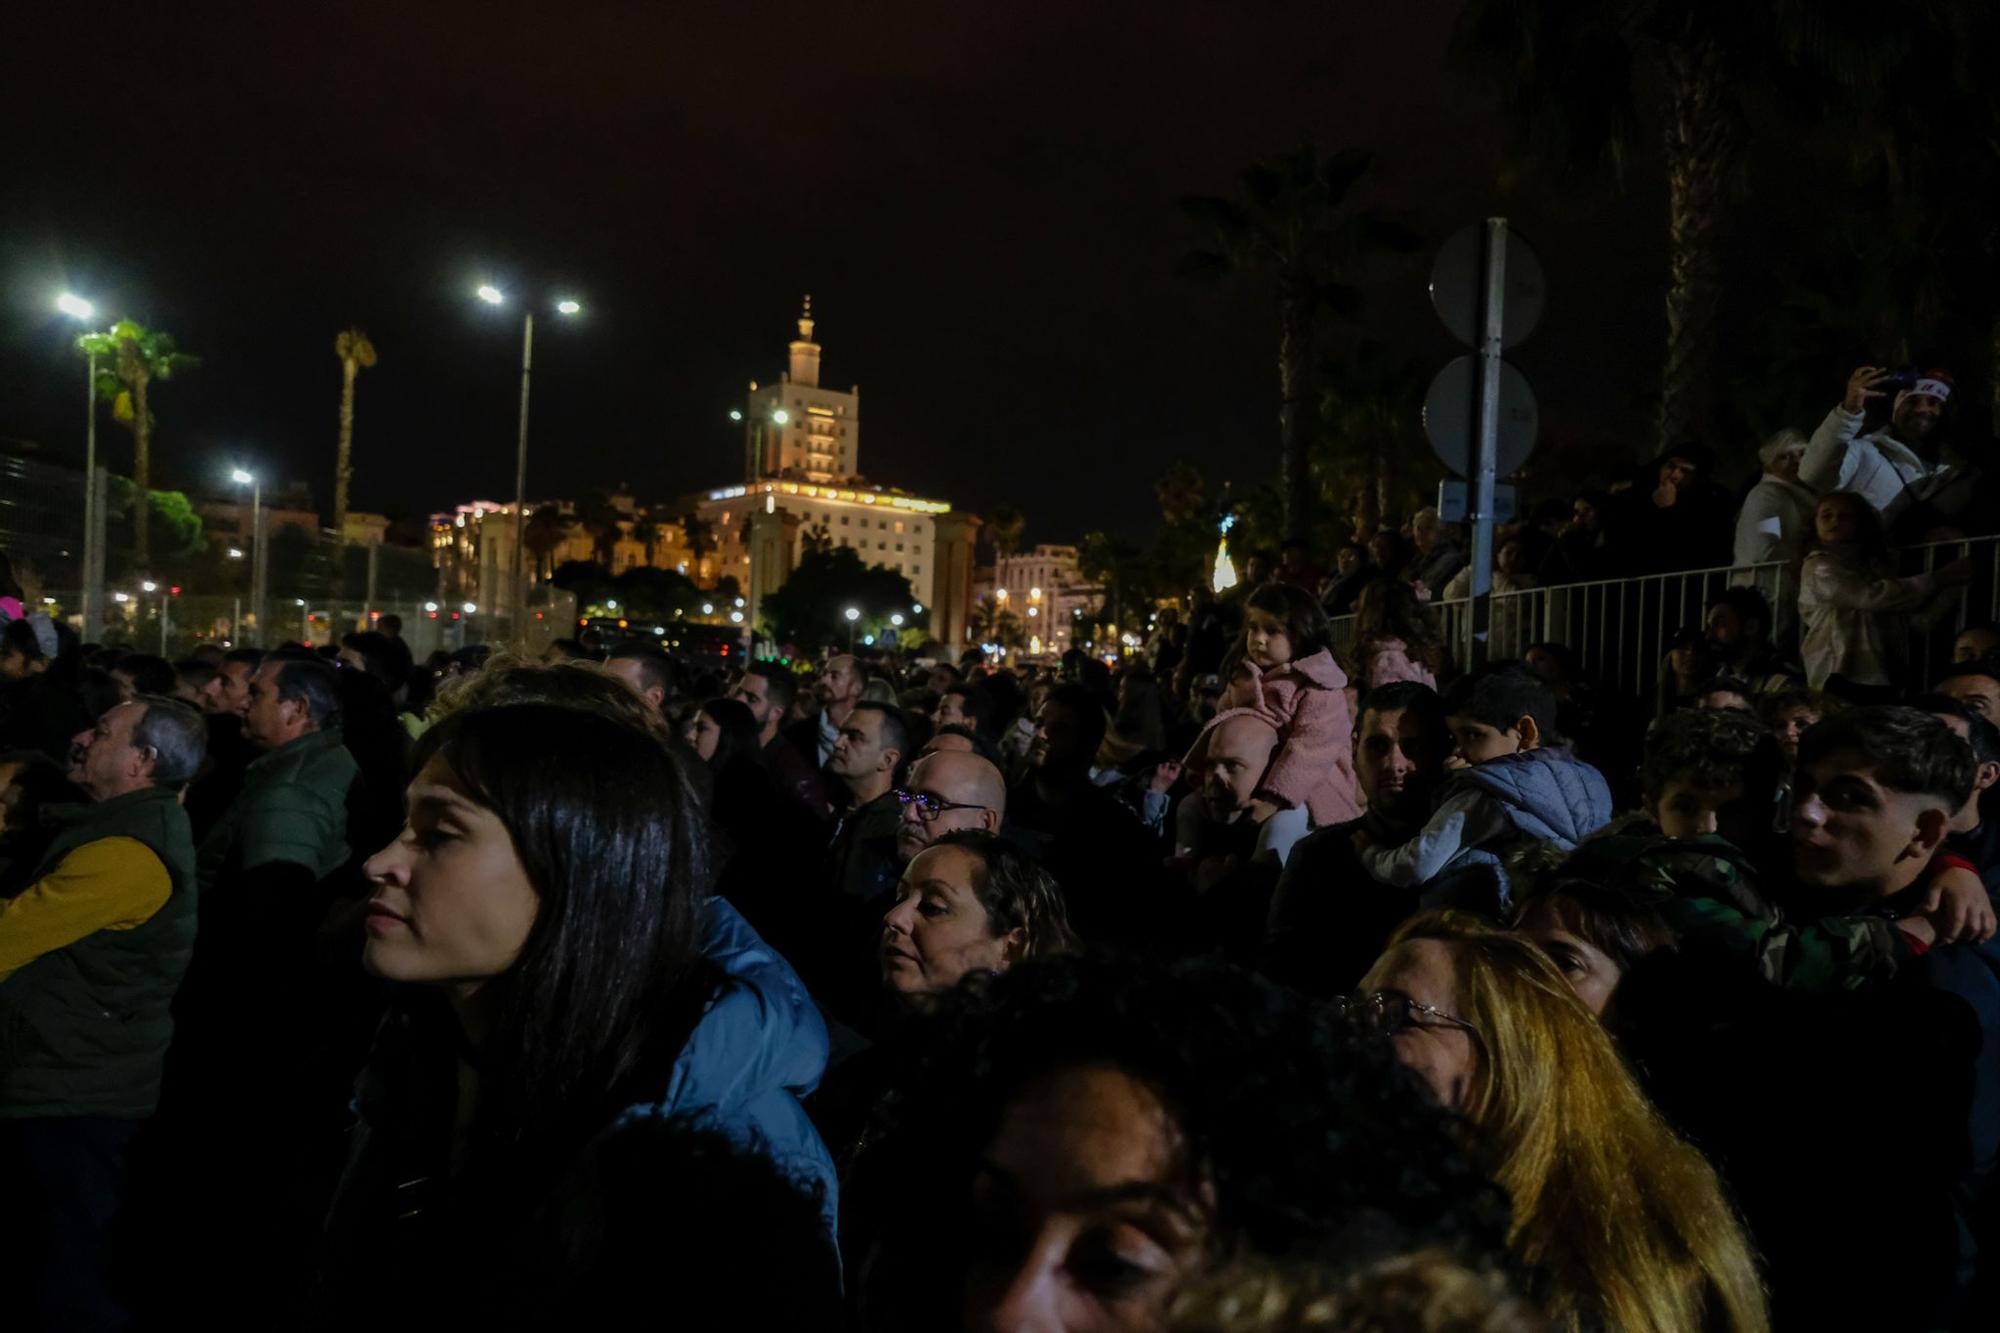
(802, 460)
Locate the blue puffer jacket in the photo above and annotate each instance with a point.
(1549, 795)
(760, 1047)
(759, 1050)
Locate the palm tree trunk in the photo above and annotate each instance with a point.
(1701, 147)
(142, 476)
(343, 470)
(1295, 407)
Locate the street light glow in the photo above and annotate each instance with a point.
(471, 609)
(75, 306)
(735, 414)
(235, 553)
(489, 293)
(852, 614)
(896, 619)
(708, 608)
(781, 416)
(568, 307)
(149, 586)
(241, 478)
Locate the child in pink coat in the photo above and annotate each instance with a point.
(1394, 637)
(1287, 671)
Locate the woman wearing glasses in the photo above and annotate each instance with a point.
(1624, 1225)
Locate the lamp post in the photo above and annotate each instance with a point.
(565, 306)
(93, 570)
(853, 614)
(258, 567)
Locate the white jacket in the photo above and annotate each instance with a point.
(1879, 466)
(1857, 624)
(1775, 523)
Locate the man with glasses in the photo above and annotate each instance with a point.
(947, 791)
(91, 953)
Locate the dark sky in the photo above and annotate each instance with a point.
(981, 200)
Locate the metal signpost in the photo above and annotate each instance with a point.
(1480, 413)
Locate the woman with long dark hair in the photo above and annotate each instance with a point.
(562, 972)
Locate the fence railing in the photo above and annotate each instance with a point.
(1620, 629)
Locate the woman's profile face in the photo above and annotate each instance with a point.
(1082, 1218)
(1445, 1056)
(704, 734)
(1591, 972)
(453, 903)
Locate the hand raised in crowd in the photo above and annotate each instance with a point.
(1861, 387)
(1959, 909)
(1165, 775)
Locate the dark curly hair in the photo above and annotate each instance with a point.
(1911, 751)
(1710, 750)
(1303, 1127)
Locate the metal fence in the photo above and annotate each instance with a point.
(1621, 629)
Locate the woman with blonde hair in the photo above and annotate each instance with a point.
(1624, 1225)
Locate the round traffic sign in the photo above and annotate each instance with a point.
(1456, 283)
(1450, 417)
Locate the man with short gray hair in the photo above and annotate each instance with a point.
(91, 954)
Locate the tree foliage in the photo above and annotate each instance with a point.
(808, 610)
(1296, 221)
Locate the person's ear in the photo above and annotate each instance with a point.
(990, 820)
(1014, 946)
(1985, 776)
(1932, 825)
(1530, 734)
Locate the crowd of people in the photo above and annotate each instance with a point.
(1253, 981)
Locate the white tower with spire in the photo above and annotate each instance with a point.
(797, 430)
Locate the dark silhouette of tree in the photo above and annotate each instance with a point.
(1294, 220)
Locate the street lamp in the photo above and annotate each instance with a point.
(93, 566)
(492, 295)
(853, 614)
(259, 565)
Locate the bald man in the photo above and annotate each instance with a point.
(948, 790)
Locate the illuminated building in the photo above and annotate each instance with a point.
(802, 486)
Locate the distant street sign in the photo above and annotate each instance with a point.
(1452, 505)
(1455, 287)
(1448, 417)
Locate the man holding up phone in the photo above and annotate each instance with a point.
(1896, 466)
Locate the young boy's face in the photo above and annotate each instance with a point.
(1685, 810)
(1852, 833)
(1478, 742)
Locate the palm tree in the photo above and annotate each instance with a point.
(546, 531)
(816, 540)
(700, 534)
(1590, 81)
(130, 357)
(1296, 221)
(356, 354)
(600, 518)
(1004, 525)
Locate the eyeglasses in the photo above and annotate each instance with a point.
(1389, 1012)
(929, 807)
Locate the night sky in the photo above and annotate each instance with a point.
(982, 203)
